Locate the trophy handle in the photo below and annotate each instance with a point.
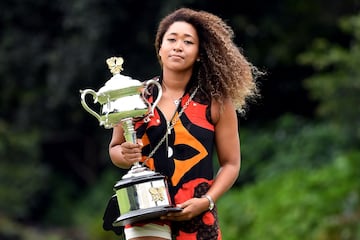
(155, 103)
(84, 104)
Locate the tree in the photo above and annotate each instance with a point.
(336, 86)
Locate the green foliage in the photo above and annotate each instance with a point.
(301, 204)
(336, 86)
(22, 176)
(95, 199)
(89, 211)
(291, 142)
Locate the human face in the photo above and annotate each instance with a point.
(180, 47)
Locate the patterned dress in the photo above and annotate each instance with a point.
(185, 158)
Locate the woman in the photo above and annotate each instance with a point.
(204, 79)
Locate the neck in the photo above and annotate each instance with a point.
(176, 81)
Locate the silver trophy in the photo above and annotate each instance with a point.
(141, 193)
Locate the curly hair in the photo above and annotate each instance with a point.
(223, 71)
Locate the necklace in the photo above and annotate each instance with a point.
(171, 125)
(177, 101)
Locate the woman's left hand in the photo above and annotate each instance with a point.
(190, 209)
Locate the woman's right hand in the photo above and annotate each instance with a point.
(131, 152)
(122, 153)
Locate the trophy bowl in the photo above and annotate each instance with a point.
(121, 97)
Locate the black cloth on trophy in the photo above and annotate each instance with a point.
(111, 214)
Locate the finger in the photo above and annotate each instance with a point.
(130, 148)
(129, 145)
(132, 151)
(133, 157)
(139, 141)
(185, 204)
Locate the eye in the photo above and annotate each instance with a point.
(188, 42)
(171, 40)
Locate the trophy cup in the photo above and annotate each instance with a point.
(141, 193)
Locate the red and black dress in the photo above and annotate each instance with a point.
(185, 158)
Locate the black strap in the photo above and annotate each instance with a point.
(111, 214)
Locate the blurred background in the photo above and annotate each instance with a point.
(300, 176)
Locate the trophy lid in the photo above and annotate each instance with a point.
(118, 81)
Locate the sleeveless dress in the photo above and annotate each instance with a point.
(185, 158)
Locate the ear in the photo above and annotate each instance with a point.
(160, 53)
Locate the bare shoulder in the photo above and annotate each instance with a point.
(222, 110)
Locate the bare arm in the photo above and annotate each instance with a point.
(228, 150)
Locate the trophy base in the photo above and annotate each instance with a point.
(143, 214)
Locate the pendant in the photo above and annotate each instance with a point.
(170, 152)
(177, 102)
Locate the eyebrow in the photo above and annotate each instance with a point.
(186, 34)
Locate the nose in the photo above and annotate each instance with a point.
(178, 46)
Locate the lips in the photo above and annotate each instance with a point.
(175, 56)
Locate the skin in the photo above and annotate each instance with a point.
(178, 52)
